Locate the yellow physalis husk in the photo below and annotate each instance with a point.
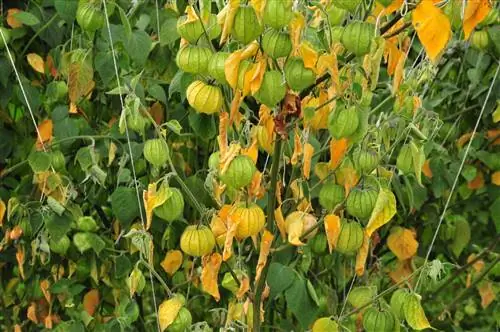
(297, 23)
(280, 221)
(168, 311)
(338, 149)
(475, 12)
(433, 28)
(228, 16)
(362, 255)
(172, 261)
(265, 247)
(402, 242)
(297, 148)
(384, 210)
(309, 55)
(332, 230)
(20, 257)
(231, 153)
(209, 274)
(308, 154)
(152, 199)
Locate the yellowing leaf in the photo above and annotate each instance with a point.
(347, 177)
(232, 222)
(258, 5)
(297, 148)
(225, 159)
(402, 243)
(309, 55)
(426, 169)
(244, 287)
(495, 179)
(80, 80)
(295, 229)
(234, 115)
(321, 170)
(384, 210)
(227, 16)
(91, 301)
(209, 273)
(487, 293)
(308, 154)
(280, 221)
(265, 247)
(168, 311)
(433, 28)
(152, 199)
(2, 211)
(256, 188)
(172, 262)
(414, 313)
(475, 12)
(398, 74)
(12, 21)
(45, 129)
(477, 182)
(231, 68)
(20, 256)
(31, 313)
(252, 151)
(496, 114)
(362, 255)
(297, 23)
(332, 230)
(222, 138)
(36, 62)
(338, 149)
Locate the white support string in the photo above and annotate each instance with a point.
(464, 158)
(130, 149)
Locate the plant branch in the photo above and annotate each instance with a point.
(42, 29)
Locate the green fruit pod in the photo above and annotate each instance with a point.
(360, 202)
(204, 98)
(193, 31)
(336, 15)
(331, 195)
(89, 16)
(278, 13)
(297, 76)
(350, 237)
(404, 162)
(414, 313)
(361, 296)
(337, 33)
(375, 320)
(197, 240)
(216, 66)
(318, 244)
(343, 122)
(246, 26)
(357, 37)
(193, 59)
(156, 152)
(272, 90)
(6, 35)
(182, 322)
(325, 324)
(349, 5)
(173, 207)
(276, 44)
(398, 299)
(87, 224)
(60, 247)
(480, 39)
(365, 160)
(239, 173)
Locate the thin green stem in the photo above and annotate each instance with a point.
(42, 29)
(157, 276)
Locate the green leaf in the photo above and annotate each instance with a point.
(279, 278)
(156, 91)
(104, 66)
(86, 240)
(495, 213)
(300, 303)
(26, 18)
(125, 22)
(57, 226)
(124, 205)
(168, 31)
(39, 161)
(384, 210)
(122, 266)
(469, 172)
(492, 160)
(494, 33)
(462, 236)
(180, 83)
(418, 157)
(66, 9)
(203, 125)
(174, 126)
(138, 46)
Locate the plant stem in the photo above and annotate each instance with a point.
(157, 276)
(42, 29)
(271, 203)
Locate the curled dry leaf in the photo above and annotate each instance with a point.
(172, 261)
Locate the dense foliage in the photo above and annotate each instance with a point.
(200, 165)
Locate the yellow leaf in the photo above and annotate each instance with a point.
(258, 5)
(487, 293)
(414, 313)
(347, 177)
(495, 179)
(31, 313)
(384, 210)
(496, 114)
(258, 70)
(234, 115)
(265, 247)
(280, 221)
(321, 170)
(402, 243)
(362, 255)
(209, 274)
(44, 287)
(227, 17)
(45, 129)
(338, 149)
(433, 28)
(295, 228)
(20, 256)
(309, 55)
(252, 151)
(172, 262)
(222, 138)
(297, 148)
(36, 62)
(426, 169)
(3, 208)
(91, 301)
(231, 68)
(297, 23)
(225, 160)
(475, 12)
(168, 311)
(256, 188)
(477, 182)
(398, 74)
(152, 199)
(12, 21)
(332, 230)
(244, 287)
(232, 221)
(308, 154)
(325, 63)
